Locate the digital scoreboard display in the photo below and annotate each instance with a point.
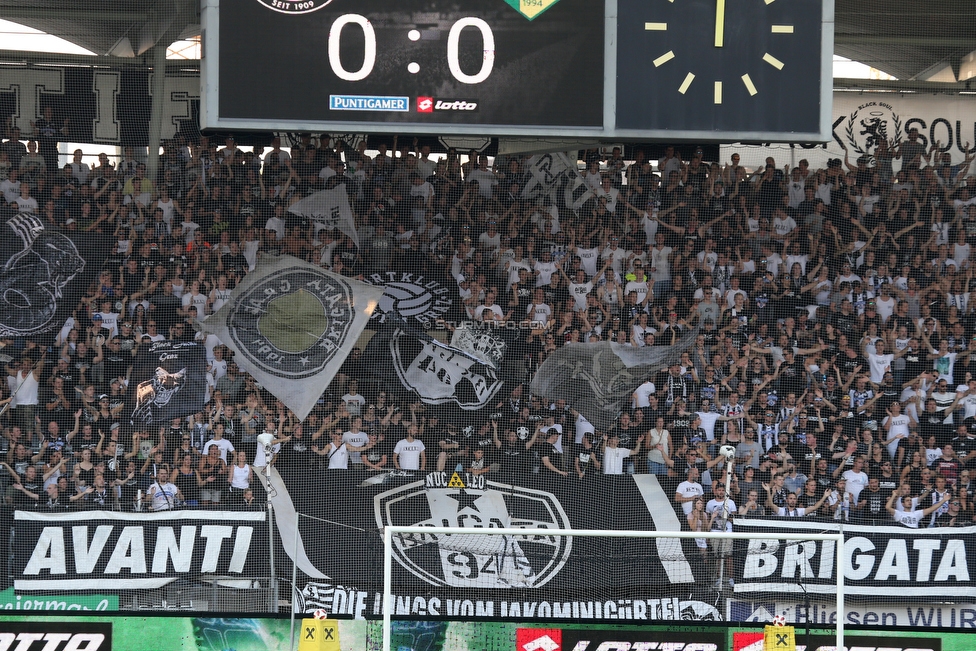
(482, 67)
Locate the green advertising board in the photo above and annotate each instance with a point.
(148, 633)
(9, 600)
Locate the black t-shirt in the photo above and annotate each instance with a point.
(963, 445)
(295, 455)
(166, 306)
(628, 436)
(555, 458)
(846, 363)
(514, 459)
(116, 364)
(375, 454)
(875, 507)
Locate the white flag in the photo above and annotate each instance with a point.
(329, 208)
(291, 325)
(555, 175)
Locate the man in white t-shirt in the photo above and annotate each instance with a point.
(544, 269)
(218, 441)
(688, 490)
(579, 290)
(856, 478)
(642, 395)
(164, 495)
(409, 453)
(880, 360)
(614, 456)
(909, 517)
(791, 510)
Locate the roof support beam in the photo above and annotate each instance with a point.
(908, 41)
(28, 13)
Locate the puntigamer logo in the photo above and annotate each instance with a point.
(369, 103)
(294, 6)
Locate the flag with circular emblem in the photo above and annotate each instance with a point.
(291, 325)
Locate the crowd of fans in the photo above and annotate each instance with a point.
(834, 351)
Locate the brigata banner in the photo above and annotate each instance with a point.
(106, 550)
(880, 560)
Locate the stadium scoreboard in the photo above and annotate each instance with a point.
(704, 70)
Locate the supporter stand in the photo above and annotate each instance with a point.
(835, 346)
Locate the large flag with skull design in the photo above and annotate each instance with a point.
(168, 381)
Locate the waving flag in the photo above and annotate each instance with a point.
(291, 325)
(331, 209)
(596, 379)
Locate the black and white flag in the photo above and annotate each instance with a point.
(291, 326)
(556, 175)
(598, 379)
(419, 300)
(43, 275)
(331, 209)
(168, 381)
(437, 373)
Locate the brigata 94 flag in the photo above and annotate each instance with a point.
(291, 325)
(168, 381)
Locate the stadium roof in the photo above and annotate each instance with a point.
(913, 42)
(117, 28)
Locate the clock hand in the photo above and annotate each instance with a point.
(719, 23)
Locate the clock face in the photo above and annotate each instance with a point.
(745, 66)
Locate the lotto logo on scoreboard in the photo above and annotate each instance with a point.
(538, 639)
(431, 104)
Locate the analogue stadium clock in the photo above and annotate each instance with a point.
(720, 65)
